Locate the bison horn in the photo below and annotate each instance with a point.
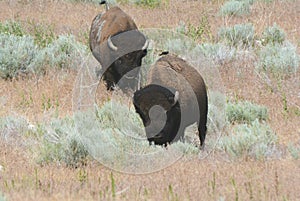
(176, 97)
(145, 45)
(111, 45)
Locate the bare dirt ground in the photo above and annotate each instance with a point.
(213, 178)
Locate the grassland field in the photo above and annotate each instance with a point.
(219, 176)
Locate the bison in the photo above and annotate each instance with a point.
(175, 97)
(119, 47)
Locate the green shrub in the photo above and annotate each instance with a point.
(147, 3)
(234, 7)
(16, 54)
(278, 59)
(240, 34)
(201, 32)
(273, 34)
(245, 112)
(43, 34)
(255, 140)
(12, 28)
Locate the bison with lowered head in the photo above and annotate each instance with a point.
(119, 47)
(174, 98)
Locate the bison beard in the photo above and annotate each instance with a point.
(167, 79)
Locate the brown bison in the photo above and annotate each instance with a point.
(174, 98)
(119, 46)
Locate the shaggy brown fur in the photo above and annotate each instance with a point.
(173, 72)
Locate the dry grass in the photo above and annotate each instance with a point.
(213, 178)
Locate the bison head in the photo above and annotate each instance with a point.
(160, 112)
(123, 55)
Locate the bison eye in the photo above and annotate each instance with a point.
(118, 62)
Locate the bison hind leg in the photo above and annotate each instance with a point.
(202, 133)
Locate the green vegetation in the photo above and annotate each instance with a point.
(255, 140)
(278, 59)
(36, 50)
(62, 144)
(235, 7)
(200, 33)
(217, 52)
(16, 55)
(294, 150)
(238, 35)
(147, 3)
(245, 112)
(273, 35)
(19, 55)
(42, 35)
(12, 28)
(2, 197)
(12, 128)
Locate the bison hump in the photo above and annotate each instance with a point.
(176, 63)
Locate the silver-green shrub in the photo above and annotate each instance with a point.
(294, 150)
(13, 129)
(16, 54)
(245, 112)
(63, 53)
(2, 197)
(238, 35)
(62, 144)
(217, 52)
(234, 7)
(278, 59)
(255, 140)
(273, 34)
(20, 55)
